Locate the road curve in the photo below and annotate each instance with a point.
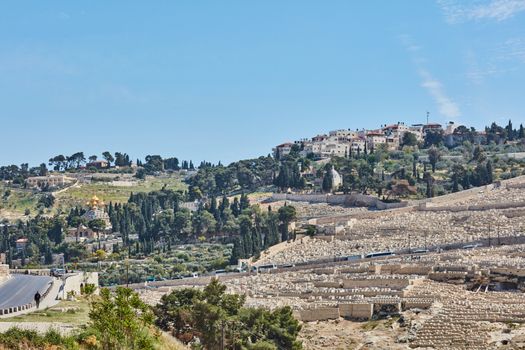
(21, 289)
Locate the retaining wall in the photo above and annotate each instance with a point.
(445, 276)
(319, 314)
(356, 311)
(481, 207)
(392, 283)
(402, 269)
(416, 303)
(73, 282)
(360, 215)
(355, 199)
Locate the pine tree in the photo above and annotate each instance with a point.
(521, 133)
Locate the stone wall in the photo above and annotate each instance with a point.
(447, 276)
(516, 185)
(452, 197)
(517, 182)
(392, 283)
(319, 314)
(73, 282)
(403, 269)
(356, 311)
(513, 271)
(321, 284)
(4, 272)
(491, 206)
(355, 200)
(344, 219)
(419, 303)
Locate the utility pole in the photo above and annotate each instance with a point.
(428, 114)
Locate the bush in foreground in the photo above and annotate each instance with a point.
(212, 319)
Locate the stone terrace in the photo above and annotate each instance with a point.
(394, 232)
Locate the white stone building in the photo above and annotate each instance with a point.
(50, 180)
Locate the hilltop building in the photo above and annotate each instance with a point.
(99, 164)
(282, 150)
(48, 181)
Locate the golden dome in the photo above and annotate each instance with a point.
(95, 202)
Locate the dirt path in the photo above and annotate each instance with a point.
(41, 327)
(76, 184)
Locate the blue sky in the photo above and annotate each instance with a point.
(226, 80)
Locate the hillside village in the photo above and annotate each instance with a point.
(345, 142)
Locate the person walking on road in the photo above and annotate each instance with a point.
(37, 299)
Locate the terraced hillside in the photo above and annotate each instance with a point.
(19, 203)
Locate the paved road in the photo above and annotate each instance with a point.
(21, 289)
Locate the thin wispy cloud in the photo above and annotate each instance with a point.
(486, 66)
(512, 49)
(499, 10)
(446, 105)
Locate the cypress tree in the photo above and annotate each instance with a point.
(510, 131)
(238, 251)
(245, 202)
(213, 206)
(235, 207)
(429, 191)
(490, 176)
(246, 234)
